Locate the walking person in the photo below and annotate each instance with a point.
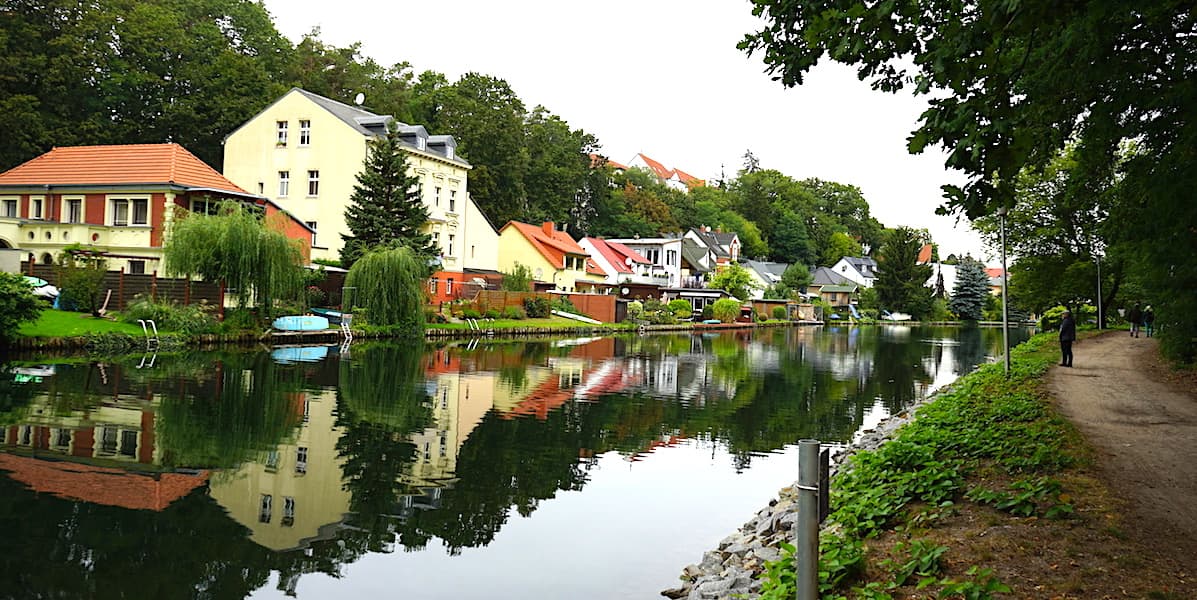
(1148, 320)
(1067, 336)
(1135, 316)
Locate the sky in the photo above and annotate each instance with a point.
(663, 78)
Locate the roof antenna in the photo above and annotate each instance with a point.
(359, 98)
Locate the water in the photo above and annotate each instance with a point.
(586, 468)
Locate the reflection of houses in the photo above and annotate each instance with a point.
(459, 403)
(100, 485)
(293, 494)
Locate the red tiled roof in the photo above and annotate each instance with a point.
(598, 160)
(688, 179)
(554, 247)
(656, 167)
(994, 271)
(617, 254)
(119, 165)
(100, 485)
(924, 254)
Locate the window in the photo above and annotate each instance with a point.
(272, 461)
(312, 224)
(305, 132)
(74, 210)
(62, 438)
(653, 255)
(432, 286)
(130, 211)
(313, 183)
(301, 460)
(288, 511)
(421, 143)
(129, 442)
(452, 200)
(35, 208)
(261, 188)
(671, 257)
(265, 508)
(284, 183)
(282, 134)
(450, 249)
(204, 206)
(137, 267)
(449, 152)
(437, 196)
(448, 287)
(10, 208)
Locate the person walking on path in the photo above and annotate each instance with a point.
(1067, 337)
(1135, 316)
(1148, 320)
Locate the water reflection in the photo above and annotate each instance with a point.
(232, 466)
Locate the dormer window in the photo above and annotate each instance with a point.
(281, 135)
(449, 153)
(421, 143)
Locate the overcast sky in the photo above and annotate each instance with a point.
(662, 77)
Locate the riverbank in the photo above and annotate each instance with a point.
(990, 492)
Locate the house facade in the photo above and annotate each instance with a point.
(665, 254)
(621, 263)
(117, 201)
(862, 270)
(724, 245)
(672, 178)
(552, 255)
(305, 151)
(764, 274)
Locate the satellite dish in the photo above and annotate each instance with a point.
(624, 291)
(359, 98)
(628, 261)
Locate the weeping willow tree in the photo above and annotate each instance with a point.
(388, 285)
(238, 247)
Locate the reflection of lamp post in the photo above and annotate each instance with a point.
(1001, 211)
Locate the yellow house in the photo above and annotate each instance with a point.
(305, 151)
(552, 255)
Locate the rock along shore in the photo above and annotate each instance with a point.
(732, 569)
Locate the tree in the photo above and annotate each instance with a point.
(725, 309)
(386, 208)
(558, 166)
(390, 281)
(791, 240)
(81, 279)
(518, 280)
(238, 247)
(734, 280)
(900, 278)
(17, 305)
(796, 277)
(971, 291)
(840, 245)
(1014, 84)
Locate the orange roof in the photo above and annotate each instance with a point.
(119, 165)
(994, 271)
(101, 485)
(656, 167)
(617, 254)
(553, 246)
(924, 254)
(598, 160)
(688, 179)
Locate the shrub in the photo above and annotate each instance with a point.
(726, 310)
(564, 304)
(761, 318)
(81, 281)
(492, 313)
(658, 313)
(169, 316)
(315, 296)
(470, 313)
(681, 308)
(635, 310)
(779, 312)
(514, 312)
(708, 312)
(17, 305)
(537, 307)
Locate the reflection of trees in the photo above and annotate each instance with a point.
(247, 404)
(14, 396)
(382, 399)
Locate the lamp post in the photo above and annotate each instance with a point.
(1001, 211)
(1100, 320)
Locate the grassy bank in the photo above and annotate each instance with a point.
(989, 453)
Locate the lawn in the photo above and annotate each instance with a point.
(61, 323)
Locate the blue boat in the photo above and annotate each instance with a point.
(301, 323)
(333, 316)
(299, 354)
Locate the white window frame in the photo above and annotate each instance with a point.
(128, 205)
(280, 136)
(313, 183)
(450, 249)
(284, 183)
(452, 200)
(312, 224)
(207, 204)
(437, 196)
(67, 205)
(10, 207)
(37, 207)
(305, 132)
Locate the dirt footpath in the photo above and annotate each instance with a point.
(1142, 420)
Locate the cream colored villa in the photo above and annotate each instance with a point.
(304, 151)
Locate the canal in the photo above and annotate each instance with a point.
(573, 468)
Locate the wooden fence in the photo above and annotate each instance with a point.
(126, 286)
(595, 306)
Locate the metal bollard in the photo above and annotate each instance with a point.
(806, 542)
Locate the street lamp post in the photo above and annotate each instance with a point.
(1100, 320)
(1005, 303)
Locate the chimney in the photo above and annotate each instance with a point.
(548, 228)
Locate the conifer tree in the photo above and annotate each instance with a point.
(970, 292)
(900, 277)
(385, 209)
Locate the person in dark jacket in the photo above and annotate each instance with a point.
(1148, 320)
(1067, 336)
(1135, 316)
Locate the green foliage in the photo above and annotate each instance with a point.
(386, 209)
(796, 276)
(492, 313)
(389, 284)
(681, 309)
(17, 305)
(779, 312)
(537, 307)
(733, 279)
(169, 316)
(1026, 497)
(900, 278)
(839, 245)
(514, 313)
(635, 310)
(235, 246)
(659, 313)
(518, 280)
(81, 280)
(725, 309)
(971, 291)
